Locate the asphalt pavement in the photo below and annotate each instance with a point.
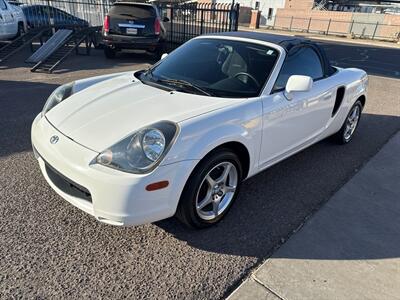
(49, 249)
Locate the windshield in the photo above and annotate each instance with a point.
(216, 67)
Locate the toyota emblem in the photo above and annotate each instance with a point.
(54, 139)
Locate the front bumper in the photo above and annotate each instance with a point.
(111, 196)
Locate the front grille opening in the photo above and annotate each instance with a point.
(66, 185)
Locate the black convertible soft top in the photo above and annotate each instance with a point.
(286, 42)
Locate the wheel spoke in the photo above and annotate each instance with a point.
(353, 115)
(225, 174)
(207, 200)
(230, 189)
(210, 181)
(347, 132)
(204, 203)
(216, 207)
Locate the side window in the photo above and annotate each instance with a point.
(59, 14)
(3, 5)
(51, 11)
(303, 61)
(39, 11)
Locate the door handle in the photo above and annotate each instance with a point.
(327, 96)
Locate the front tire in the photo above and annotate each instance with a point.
(109, 52)
(345, 134)
(210, 190)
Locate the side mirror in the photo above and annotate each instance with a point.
(164, 55)
(165, 19)
(298, 83)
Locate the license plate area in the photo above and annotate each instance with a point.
(132, 31)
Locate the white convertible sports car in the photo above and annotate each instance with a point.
(180, 137)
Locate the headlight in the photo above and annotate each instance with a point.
(61, 93)
(142, 151)
(153, 144)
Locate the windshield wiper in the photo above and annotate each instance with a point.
(184, 83)
(149, 72)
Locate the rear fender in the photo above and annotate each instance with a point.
(355, 82)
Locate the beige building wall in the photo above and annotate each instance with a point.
(338, 22)
(392, 22)
(314, 20)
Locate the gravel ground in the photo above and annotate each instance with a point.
(49, 249)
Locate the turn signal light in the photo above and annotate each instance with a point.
(157, 185)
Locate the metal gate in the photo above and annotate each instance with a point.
(189, 20)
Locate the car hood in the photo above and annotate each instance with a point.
(104, 113)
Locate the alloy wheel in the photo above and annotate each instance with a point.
(351, 122)
(216, 191)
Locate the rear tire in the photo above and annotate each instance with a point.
(349, 127)
(109, 52)
(208, 194)
(96, 40)
(159, 51)
(21, 29)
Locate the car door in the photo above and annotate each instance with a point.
(291, 124)
(2, 21)
(13, 29)
(6, 20)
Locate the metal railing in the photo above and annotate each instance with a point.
(186, 20)
(379, 31)
(190, 20)
(62, 13)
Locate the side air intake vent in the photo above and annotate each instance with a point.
(339, 98)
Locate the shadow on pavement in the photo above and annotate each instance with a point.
(273, 203)
(96, 59)
(20, 102)
(74, 62)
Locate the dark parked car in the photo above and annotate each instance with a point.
(131, 25)
(44, 15)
